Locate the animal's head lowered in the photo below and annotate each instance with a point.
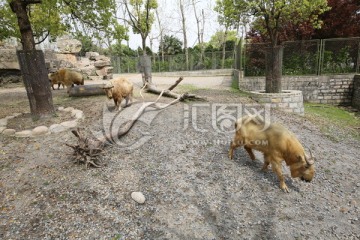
(304, 168)
(108, 88)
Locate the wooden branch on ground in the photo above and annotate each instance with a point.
(175, 84)
(88, 149)
(167, 93)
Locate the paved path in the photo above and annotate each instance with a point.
(204, 82)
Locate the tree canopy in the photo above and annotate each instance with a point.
(271, 15)
(217, 39)
(141, 17)
(55, 17)
(170, 45)
(342, 20)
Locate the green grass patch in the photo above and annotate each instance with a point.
(329, 116)
(187, 88)
(235, 89)
(334, 114)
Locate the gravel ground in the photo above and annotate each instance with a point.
(179, 162)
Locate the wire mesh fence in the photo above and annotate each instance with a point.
(311, 57)
(172, 63)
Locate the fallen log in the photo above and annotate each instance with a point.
(88, 149)
(168, 92)
(86, 90)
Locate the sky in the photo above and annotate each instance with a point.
(170, 17)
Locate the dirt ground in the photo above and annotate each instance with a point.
(178, 159)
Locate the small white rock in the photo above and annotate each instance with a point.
(68, 109)
(56, 128)
(41, 130)
(61, 108)
(10, 117)
(25, 133)
(9, 132)
(79, 115)
(138, 197)
(69, 124)
(16, 114)
(75, 111)
(3, 122)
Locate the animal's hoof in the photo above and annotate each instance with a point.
(285, 188)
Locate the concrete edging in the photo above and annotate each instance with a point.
(42, 130)
(288, 101)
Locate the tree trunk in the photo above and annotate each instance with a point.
(200, 32)
(145, 69)
(224, 48)
(143, 38)
(183, 20)
(273, 69)
(32, 65)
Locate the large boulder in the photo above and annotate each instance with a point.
(8, 59)
(66, 44)
(9, 66)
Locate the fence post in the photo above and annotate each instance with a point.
(321, 50)
(357, 70)
(238, 56)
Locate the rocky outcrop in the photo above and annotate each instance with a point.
(9, 65)
(96, 66)
(68, 45)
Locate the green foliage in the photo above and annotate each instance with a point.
(141, 11)
(123, 50)
(229, 12)
(141, 17)
(275, 13)
(217, 39)
(328, 116)
(170, 45)
(338, 61)
(7, 22)
(55, 17)
(87, 44)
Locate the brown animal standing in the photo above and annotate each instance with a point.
(277, 144)
(66, 77)
(117, 89)
(54, 81)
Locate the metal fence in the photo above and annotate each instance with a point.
(313, 57)
(172, 63)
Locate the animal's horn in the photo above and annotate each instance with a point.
(311, 160)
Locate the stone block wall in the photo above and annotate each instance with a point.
(356, 93)
(288, 100)
(332, 89)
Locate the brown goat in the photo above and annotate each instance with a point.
(54, 81)
(277, 144)
(117, 89)
(66, 77)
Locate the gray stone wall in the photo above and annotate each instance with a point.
(288, 100)
(356, 93)
(335, 89)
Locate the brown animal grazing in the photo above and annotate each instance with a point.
(66, 77)
(277, 144)
(55, 82)
(117, 89)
